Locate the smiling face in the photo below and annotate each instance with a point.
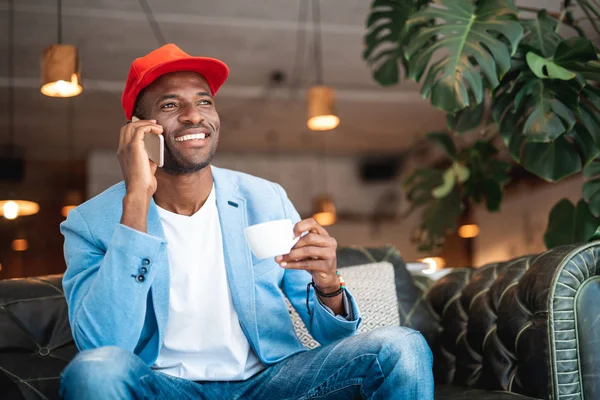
(182, 103)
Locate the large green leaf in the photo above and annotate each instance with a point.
(547, 105)
(540, 34)
(572, 55)
(551, 126)
(551, 161)
(568, 224)
(547, 69)
(466, 119)
(384, 40)
(471, 42)
(575, 49)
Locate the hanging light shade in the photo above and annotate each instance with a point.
(321, 109)
(20, 244)
(468, 231)
(72, 200)
(324, 211)
(61, 71)
(11, 209)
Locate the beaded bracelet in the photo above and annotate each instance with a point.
(322, 294)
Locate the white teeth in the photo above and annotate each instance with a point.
(191, 137)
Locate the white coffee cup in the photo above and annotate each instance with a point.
(271, 239)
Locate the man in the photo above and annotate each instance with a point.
(165, 298)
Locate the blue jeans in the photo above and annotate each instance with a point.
(386, 363)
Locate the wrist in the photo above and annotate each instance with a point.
(328, 289)
(328, 284)
(135, 211)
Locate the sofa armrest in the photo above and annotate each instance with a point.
(521, 325)
(566, 281)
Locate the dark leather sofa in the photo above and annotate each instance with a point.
(524, 328)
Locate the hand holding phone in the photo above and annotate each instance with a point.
(155, 146)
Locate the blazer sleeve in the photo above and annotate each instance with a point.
(321, 323)
(107, 288)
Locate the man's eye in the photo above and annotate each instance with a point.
(168, 105)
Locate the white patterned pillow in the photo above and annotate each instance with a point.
(374, 290)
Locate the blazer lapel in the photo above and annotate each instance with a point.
(238, 259)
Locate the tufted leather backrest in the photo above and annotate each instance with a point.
(511, 325)
(35, 339)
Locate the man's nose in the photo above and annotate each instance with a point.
(191, 115)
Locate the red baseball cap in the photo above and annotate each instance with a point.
(165, 59)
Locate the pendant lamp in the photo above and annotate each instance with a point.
(12, 207)
(324, 210)
(321, 98)
(61, 70)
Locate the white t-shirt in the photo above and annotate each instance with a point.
(203, 338)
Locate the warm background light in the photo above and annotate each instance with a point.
(62, 88)
(61, 71)
(323, 122)
(65, 210)
(435, 263)
(11, 209)
(468, 231)
(321, 105)
(325, 218)
(324, 211)
(20, 244)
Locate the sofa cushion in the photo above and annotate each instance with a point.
(372, 286)
(383, 288)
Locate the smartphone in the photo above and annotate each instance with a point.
(155, 146)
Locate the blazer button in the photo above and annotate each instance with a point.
(146, 262)
(140, 278)
(143, 270)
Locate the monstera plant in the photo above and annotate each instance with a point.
(527, 81)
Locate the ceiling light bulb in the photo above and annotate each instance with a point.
(10, 210)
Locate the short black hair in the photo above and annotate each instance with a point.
(139, 109)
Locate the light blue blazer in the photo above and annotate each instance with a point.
(111, 305)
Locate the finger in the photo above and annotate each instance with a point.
(142, 130)
(132, 129)
(122, 136)
(142, 122)
(314, 239)
(307, 265)
(153, 166)
(309, 253)
(309, 225)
